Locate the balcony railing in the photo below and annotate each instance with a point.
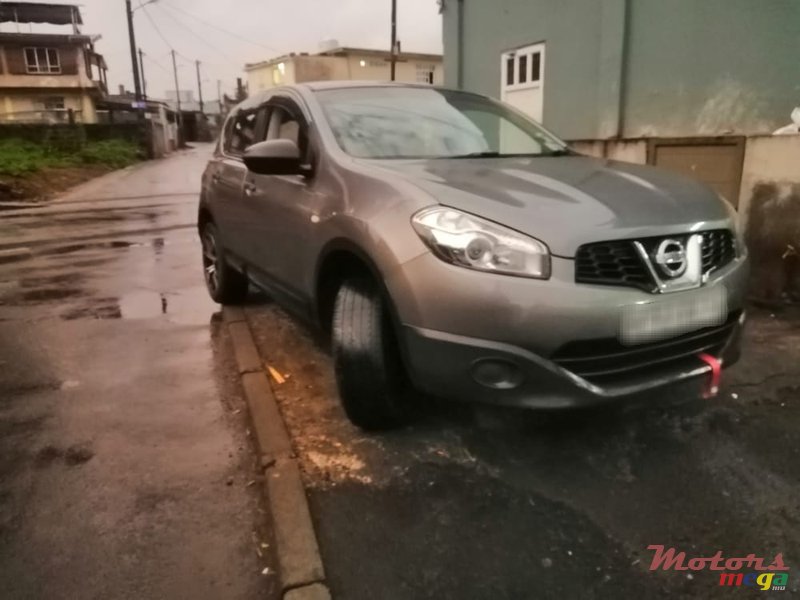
(58, 115)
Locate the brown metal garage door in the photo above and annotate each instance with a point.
(715, 161)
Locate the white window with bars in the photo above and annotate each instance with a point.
(425, 73)
(53, 103)
(42, 60)
(522, 73)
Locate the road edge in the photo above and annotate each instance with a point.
(299, 559)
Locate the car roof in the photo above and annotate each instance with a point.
(347, 83)
(255, 101)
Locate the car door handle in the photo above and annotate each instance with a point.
(249, 189)
(215, 178)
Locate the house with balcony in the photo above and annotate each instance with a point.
(48, 77)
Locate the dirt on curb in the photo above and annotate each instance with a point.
(47, 183)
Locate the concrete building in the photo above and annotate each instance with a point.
(46, 77)
(343, 63)
(631, 68)
(694, 86)
(200, 122)
(160, 135)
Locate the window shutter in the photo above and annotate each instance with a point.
(15, 57)
(68, 55)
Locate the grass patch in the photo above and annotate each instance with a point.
(19, 157)
(112, 153)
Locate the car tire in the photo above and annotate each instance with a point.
(373, 386)
(225, 284)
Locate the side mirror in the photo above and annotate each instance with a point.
(274, 157)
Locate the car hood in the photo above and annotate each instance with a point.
(567, 201)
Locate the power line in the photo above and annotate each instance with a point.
(164, 39)
(153, 23)
(218, 28)
(203, 40)
(155, 62)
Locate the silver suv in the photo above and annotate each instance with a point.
(452, 246)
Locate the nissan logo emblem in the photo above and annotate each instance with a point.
(671, 258)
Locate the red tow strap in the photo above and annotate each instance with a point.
(712, 389)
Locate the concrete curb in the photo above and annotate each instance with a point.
(244, 348)
(315, 591)
(110, 178)
(300, 564)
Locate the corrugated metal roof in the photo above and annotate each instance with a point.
(30, 12)
(45, 38)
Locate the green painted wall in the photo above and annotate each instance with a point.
(635, 68)
(569, 27)
(712, 66)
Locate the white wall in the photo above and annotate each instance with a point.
(772, 159)
(633, 151)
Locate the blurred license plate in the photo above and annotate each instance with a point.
(671, 316)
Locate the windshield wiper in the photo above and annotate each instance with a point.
(495, 154)
(562, 152)
(485, 154)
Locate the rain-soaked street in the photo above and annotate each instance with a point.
(127, 471)
(124, 462)
(479, 502)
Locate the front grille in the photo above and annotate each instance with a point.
(719, 248)
(607, 362)
(612, 263)
(618, 263)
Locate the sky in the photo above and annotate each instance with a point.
(201, 30)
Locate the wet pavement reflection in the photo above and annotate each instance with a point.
(125, 467)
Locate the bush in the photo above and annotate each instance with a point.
(113, 153)
(20, 157)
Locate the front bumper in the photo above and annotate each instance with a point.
(544, 344)
(462, 368)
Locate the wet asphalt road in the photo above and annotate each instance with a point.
(476, 502)
(124, 460)
(121, 425)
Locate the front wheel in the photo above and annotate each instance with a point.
(372, 383)
(224, 283)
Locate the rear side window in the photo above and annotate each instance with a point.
(242, 133)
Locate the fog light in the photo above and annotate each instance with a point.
(497, 373)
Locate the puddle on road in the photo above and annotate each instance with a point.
(70, 279)
(70, 248)
(190, 307)
(47, 295)
(143, 304)
(36, 290)
(13, 256)
(99, 308)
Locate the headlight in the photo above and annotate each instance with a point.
(468, 241)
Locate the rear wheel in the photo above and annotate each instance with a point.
(372, 383)
(224, 283)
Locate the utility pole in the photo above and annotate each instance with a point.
(394, 39)
(134, 63)
(141, 68)
(178, 100)
(219, 95)
(199, 87)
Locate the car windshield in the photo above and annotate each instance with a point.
(418, 122)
